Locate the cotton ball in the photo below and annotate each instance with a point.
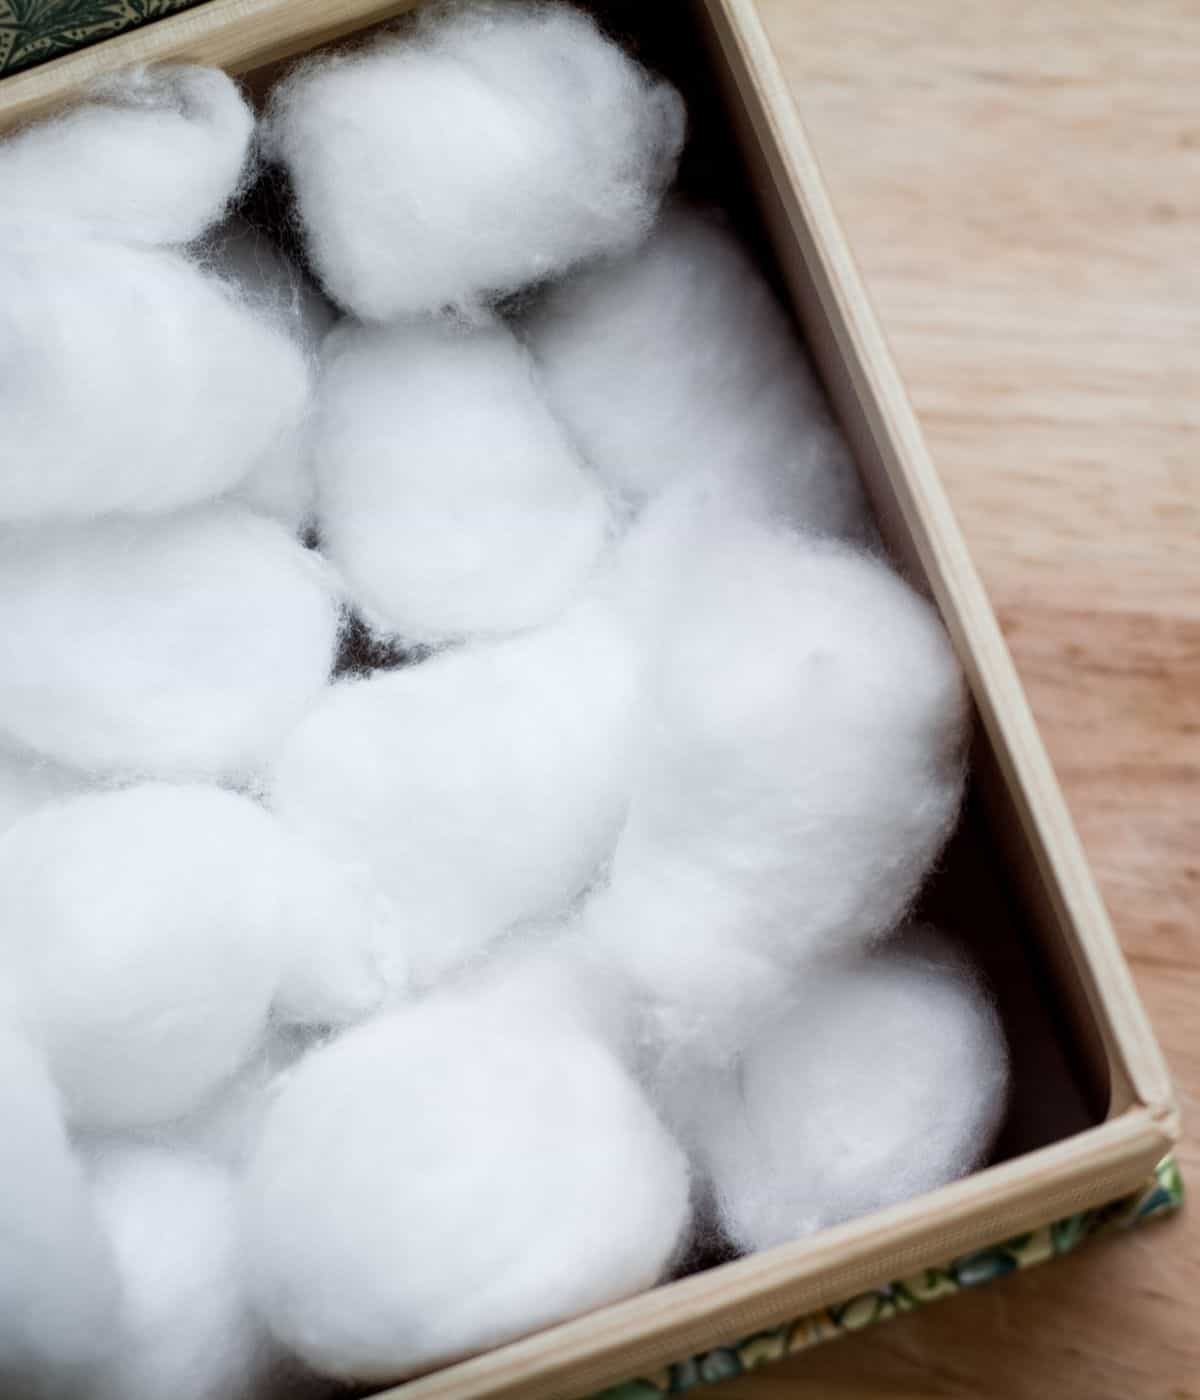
(57, 1283)
(339, 964)
(447, 1179)
(269, 281)
(185, 1328)
(131, 381)
(180, 647)
(28, 782)
(553, 973)
(886, 1077)
(281, 483)
(676, 362)
(804, 766)
(450, 499)
(141, 945)
(481, 788)
(225, 1127)
(154, 159)
(490, 146)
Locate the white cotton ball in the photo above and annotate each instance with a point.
(281, 483)
(447, 1179)
(225, 1127)
(676, 363)
(131, 381)
(488, 147)
(185, 1329)
(174, 648)
(269, 281)
(57, 1283)
(28, 782)
(553, 973)
(155, 158)
(804, 766)
(339, 962)
(450, 499)
(886, 1077)
(141, 943)
(480, 788)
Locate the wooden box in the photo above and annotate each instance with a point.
(1092, 1113)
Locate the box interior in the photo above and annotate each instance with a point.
(1060, 1073)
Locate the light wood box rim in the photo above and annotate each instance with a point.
(734, 1300)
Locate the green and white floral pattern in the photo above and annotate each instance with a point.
(34, 31)
(1161, 1196)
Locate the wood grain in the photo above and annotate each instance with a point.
(1021, 186)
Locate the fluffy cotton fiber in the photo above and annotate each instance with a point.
(676, 362)
(57, 1282)
(225, 1127)
(804, 767)
(244, 255)
(340, 960)
(281, 482)
(28, 782)
(130, 380)
(141, 943)
(446, 1179)
(145, 933)
(183, 647)
(480, 788)
(450, 499)
(486, 147)
(155, 159)
(185, 1328)
(886, 1076)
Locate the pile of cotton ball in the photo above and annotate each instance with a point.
(463, 760)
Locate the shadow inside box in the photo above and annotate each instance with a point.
(1054, 1093)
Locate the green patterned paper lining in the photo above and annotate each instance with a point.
(35, 31)
(1161, 1195)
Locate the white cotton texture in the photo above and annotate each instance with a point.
(175, 648)
(154, 158)
(807, 723)
(140, 944)
(676, 363)
(269, 281)
(451, 500)
(131, 381)
(57, 1281)
(340, 962)
(185, 1327)
(28, 782)
(225, 1127)
(449, 1178)
(885, 1077)
(485, 147)
(479, 789)
(281, 482)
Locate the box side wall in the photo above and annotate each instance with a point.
(1029, 814)
(237, 35)
(733, 1301)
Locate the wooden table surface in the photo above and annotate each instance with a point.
(1020, 181)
